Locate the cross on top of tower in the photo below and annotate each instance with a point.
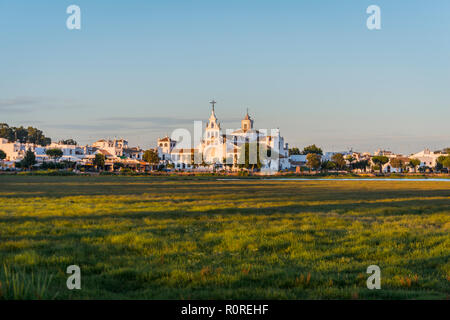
(213, 102)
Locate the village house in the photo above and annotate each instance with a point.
(427, 158)
(114, 147)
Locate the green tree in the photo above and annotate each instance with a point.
(447, 151)
(2, 155)
(446, 162)
(6, 132)
(36, 136)
(151, 156)
(21, 134)
(414, 163)
(228, 161)
(313, 161)
(68, 142)
(312, 149)
(244, 156)
(361, 165)
(351, 161)
(440, 159)
(99, 161)
(294, 151)
(246, 160)
(170, 166)
(443, 162)
(339, 161)
(328, 165)
(54, 153)
(380, 161)
(29, 160)
(397, 163)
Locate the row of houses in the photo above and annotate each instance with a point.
(118, 151)
(428, 159)
(114, 151)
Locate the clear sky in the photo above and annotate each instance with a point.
(139, 69)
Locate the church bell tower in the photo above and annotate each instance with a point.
(247, 123)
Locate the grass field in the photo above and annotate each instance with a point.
(199, 238)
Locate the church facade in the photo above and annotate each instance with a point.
(228, 149)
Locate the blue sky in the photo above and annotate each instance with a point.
(139, 69)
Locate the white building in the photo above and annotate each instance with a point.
(165, 147)
(427, 158)
(15, 151)
(219, 149)
(114, 147)
(70, 152)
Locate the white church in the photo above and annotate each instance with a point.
(229, 150)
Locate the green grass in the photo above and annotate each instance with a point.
(199, 238)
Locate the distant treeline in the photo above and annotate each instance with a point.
(24, 135)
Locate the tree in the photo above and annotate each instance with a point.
(361, 165)
(443, 162)
(312, 149)
(170, 166)
(244, 156)
(68, 142)
(327, 165)
(339, 161)
(151, 156)
(28, 160)
(397, 163)
(54, 153)
(36, 136)
(264, 154)
(447, 151)
(228, 161)
(380, 161)
(413, 163)
(294, 151)
(350, 159)
(446, 162)
(99, 160)
(30, 135)
(313, 161)
(6, 132)
(2, 156)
